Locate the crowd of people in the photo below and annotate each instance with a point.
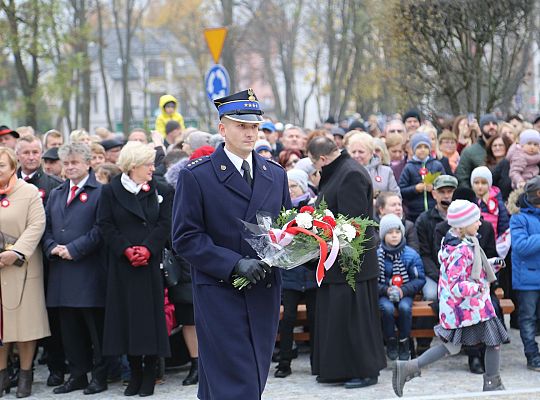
(85, 235)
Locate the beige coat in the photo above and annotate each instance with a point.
(23, 299)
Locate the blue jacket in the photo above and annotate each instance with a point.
(410, 177)
(80, 282)
(299, 279)
(525, 232)
(236, 329)
(412, 261)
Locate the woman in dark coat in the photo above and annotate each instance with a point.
(348, 338)
(135, 220)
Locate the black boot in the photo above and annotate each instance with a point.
(5, 385)
(392, 348)
(404, 349)
(135, 364)
(193, 376)
(283, 369)
(475, 365)
(24, 386)
(149, 376)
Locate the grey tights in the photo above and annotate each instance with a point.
(492, 359)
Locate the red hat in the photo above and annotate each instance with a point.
(202, 151)
(4, 130)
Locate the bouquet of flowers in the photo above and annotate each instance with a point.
(297, 237)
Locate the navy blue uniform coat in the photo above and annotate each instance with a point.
(236, 329)
(79, 282)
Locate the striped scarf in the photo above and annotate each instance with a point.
(394, 254)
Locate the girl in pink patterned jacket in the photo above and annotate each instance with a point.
(466, 314)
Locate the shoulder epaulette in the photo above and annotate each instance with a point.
(198, 161)
(274, 162)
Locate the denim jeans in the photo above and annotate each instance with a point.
(529, 306)
(404, 319)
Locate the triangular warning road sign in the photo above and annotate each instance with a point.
(215, 37)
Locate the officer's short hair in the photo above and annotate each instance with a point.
(76, 148)
(134, 154)
(321, 146)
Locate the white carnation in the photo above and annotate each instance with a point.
(304, 220)
(349, 231)
(329, 213)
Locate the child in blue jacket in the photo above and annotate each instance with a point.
(401, 277)
(525, 233)
(417, 194)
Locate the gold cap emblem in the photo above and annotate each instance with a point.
(251, 95)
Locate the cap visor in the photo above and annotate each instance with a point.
(253, 118)
(15, 134)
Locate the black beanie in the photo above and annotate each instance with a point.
(463, 193)
(413, 113)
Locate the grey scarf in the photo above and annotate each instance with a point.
(480, 262)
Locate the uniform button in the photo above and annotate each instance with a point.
(144, 223)
(268, 285)
(63, 230)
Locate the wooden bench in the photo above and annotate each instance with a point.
(420, 309)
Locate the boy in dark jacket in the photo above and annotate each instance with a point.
(415, 192)
(401, 276)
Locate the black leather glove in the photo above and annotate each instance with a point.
(251, 269)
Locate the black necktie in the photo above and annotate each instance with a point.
(247, 172)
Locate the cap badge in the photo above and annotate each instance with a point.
(264, 167)
(251, 95)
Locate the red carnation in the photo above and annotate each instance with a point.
(330, 221)
(307, 209)
(357, 227)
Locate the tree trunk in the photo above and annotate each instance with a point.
(101, 44)
(228, 54)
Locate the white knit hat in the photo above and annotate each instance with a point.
(484, 173)
(389, 222)
(462, 213)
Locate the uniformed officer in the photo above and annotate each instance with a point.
(236, 329)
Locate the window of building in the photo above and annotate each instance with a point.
(156, 69)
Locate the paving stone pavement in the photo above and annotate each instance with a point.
(447, 379)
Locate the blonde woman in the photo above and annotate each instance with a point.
(361, 147)
(135, 221)
(23, 314)
(80, 136)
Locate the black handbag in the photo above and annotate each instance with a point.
(171, 268)
(182, 293)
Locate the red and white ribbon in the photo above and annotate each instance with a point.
(285, 236)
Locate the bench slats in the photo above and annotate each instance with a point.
(420, 309)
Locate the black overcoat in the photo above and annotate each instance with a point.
(348, 336)
(134, 311)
